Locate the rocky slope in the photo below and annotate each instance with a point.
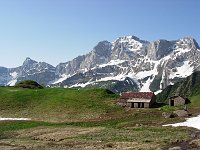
(187, 87)
(128, 63)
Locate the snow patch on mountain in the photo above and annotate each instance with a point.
(61, 79)
(112, 62)
(150, 74)
(14, 74)
(119, 77)
(13, 80)
(183, 71)
(81, 84)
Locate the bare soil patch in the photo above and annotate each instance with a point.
(55, 134)
(65, 138)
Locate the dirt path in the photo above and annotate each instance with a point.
(55, 134)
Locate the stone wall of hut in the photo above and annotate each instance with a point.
(177, 101)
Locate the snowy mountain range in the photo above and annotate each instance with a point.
(128, 63)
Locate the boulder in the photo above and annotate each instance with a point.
(168, 115)
(181, 113)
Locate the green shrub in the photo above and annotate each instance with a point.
(29, 84)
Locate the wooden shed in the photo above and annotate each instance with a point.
(178, 101)
(137, 99)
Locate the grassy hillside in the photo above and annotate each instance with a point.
(189, 87)
(56, 104)
(81, 119)
(195, 101)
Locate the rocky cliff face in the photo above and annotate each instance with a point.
(159, 49)
(128, 63)
(4, 73)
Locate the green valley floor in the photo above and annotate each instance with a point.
(86, 119)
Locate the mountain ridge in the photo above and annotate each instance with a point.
(128, 61)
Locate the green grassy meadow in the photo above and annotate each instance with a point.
(56, 104)
(82, 119)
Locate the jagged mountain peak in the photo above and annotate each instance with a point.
(102, 47)
(128, 39)
(28, 61)
(105, 42)
(188, 41)
(128, 47)
(28, 58)
(187, 38)
(186, 44)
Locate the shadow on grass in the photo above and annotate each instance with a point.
(158, 105)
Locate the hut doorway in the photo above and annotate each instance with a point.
(132, 105)
(171, 102)
(142, 105)
(138, 105)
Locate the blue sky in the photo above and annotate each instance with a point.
(56, 31)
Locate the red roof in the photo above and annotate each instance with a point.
(144, 95)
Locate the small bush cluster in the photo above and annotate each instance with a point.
(29, 84)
